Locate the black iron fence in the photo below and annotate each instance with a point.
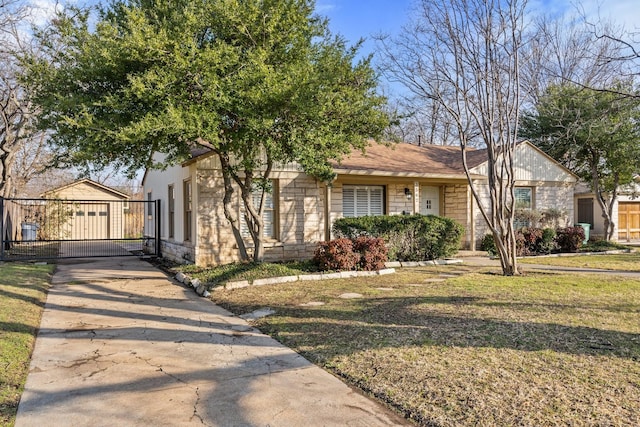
(60, 228)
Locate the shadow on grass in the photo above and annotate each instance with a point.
(407, 321)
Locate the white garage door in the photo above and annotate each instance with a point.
(90, 221)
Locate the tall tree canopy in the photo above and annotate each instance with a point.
(463, 57)
(257, 82)
(594, 133)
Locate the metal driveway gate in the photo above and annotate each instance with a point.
(57, 228)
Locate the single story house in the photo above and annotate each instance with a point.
(626, 212)
(94, 211)
(389, 179)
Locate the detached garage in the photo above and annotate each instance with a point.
(626, 212)
(628, 221)
(94, 211)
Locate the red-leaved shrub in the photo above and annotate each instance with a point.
(570, 239)
(336, 255)
(373, 253)
(363, 253)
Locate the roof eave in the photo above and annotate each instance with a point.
(366, 172)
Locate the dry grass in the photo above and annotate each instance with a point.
(475, 349)
(621, 262)
(23, 290)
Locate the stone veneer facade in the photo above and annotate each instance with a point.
(299, 219)
(546, 195)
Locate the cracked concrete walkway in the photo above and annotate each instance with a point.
(120, 344)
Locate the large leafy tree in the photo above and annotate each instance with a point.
(594, 133)
(256, 82)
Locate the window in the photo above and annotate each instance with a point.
(150, 206)
(524, 203)
(172, 210)
(362, 200)
(188, 208)
(523, 197)
(269, 213)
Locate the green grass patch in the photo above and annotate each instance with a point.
(621, 262)
(33, 250)
(602, 246)
(474, 349)
(23, 290)
(245, 271)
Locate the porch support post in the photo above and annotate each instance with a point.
(472, 221)
(157, 228)
(416, 197)
(327, 211)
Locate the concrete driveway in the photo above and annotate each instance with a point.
(122, 345)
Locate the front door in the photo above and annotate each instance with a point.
(585, 211)
(429, 200)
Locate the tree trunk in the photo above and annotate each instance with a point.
(500, 221)
(605, 201)
(254, 215)
(227, 202)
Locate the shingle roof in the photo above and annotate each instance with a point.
(89, 182)
(410, 159)
(398, 158)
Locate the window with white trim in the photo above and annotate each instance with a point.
(268, 214)
(187, 205)
(171, 195)
(524, 202)
(523, 197)
(362, 200)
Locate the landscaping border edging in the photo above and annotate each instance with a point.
(303, 277)
(201, 289)
(570, 254)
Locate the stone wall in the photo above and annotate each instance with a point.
(556, 197)
(299, 219)
(177, 252)
(545, 196)
(456, 207)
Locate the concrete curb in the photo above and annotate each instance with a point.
(201, 290)
(572, 254)
(303, 278)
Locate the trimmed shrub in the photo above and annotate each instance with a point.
(547, 242)
(373, 253)
(528, 241)
(363, 253)
(570, 239)
(489, 245)
(408, 237)
(336, 255)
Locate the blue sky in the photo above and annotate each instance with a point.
(363, 18)
(355, 19)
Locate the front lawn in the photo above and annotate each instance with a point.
(454, 346)
(23, 290)
(622, 262)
